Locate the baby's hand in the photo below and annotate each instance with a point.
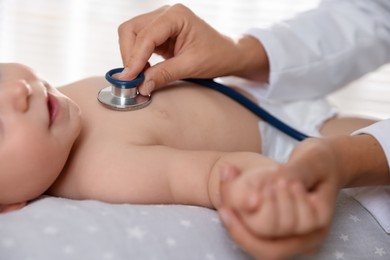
(286, 210)
(269, 205)
(241, 191)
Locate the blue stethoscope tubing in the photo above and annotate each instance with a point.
(253, 107)
(123, 95)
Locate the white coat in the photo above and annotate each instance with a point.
(322, 50)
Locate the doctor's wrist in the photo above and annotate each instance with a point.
(252, 60)
(362, 159)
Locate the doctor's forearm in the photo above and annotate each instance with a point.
(252, 62)
(363, 161)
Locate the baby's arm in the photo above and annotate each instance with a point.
(194, 176)
(162, 174)
(150, 174)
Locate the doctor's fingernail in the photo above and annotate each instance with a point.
(124, 74)
(149, 85)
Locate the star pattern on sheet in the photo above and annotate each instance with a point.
(170, 242)
(354, 218)
(50, 230)
(339, 255)
(139, 234)
(344, 237)
(136, 232)
(186, 223)
(380, 251)
(216, 220)
(68, 249)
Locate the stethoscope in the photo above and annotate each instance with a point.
(123, 95)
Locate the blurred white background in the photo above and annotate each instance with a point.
(66, 40)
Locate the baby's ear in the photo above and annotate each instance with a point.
(11, 207)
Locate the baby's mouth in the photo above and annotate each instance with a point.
(53, 107)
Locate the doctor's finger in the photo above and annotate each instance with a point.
(161, 74)
(169, 30)
(128, 33)
(286, 205)
(268, 248)
(305, 212)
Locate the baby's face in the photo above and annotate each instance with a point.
(38, 126)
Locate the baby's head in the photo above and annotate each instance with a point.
(38, 126)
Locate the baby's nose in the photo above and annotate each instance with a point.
(16, 94)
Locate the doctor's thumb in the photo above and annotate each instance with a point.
(160, 75)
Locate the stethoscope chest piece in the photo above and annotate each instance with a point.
(123, 94)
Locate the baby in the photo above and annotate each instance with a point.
(63, 142)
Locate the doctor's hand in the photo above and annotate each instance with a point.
(283, 211)
(259, 227)
(190, 48)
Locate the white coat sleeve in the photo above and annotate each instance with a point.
(380, 131)
(376, 199)
(321, 50)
